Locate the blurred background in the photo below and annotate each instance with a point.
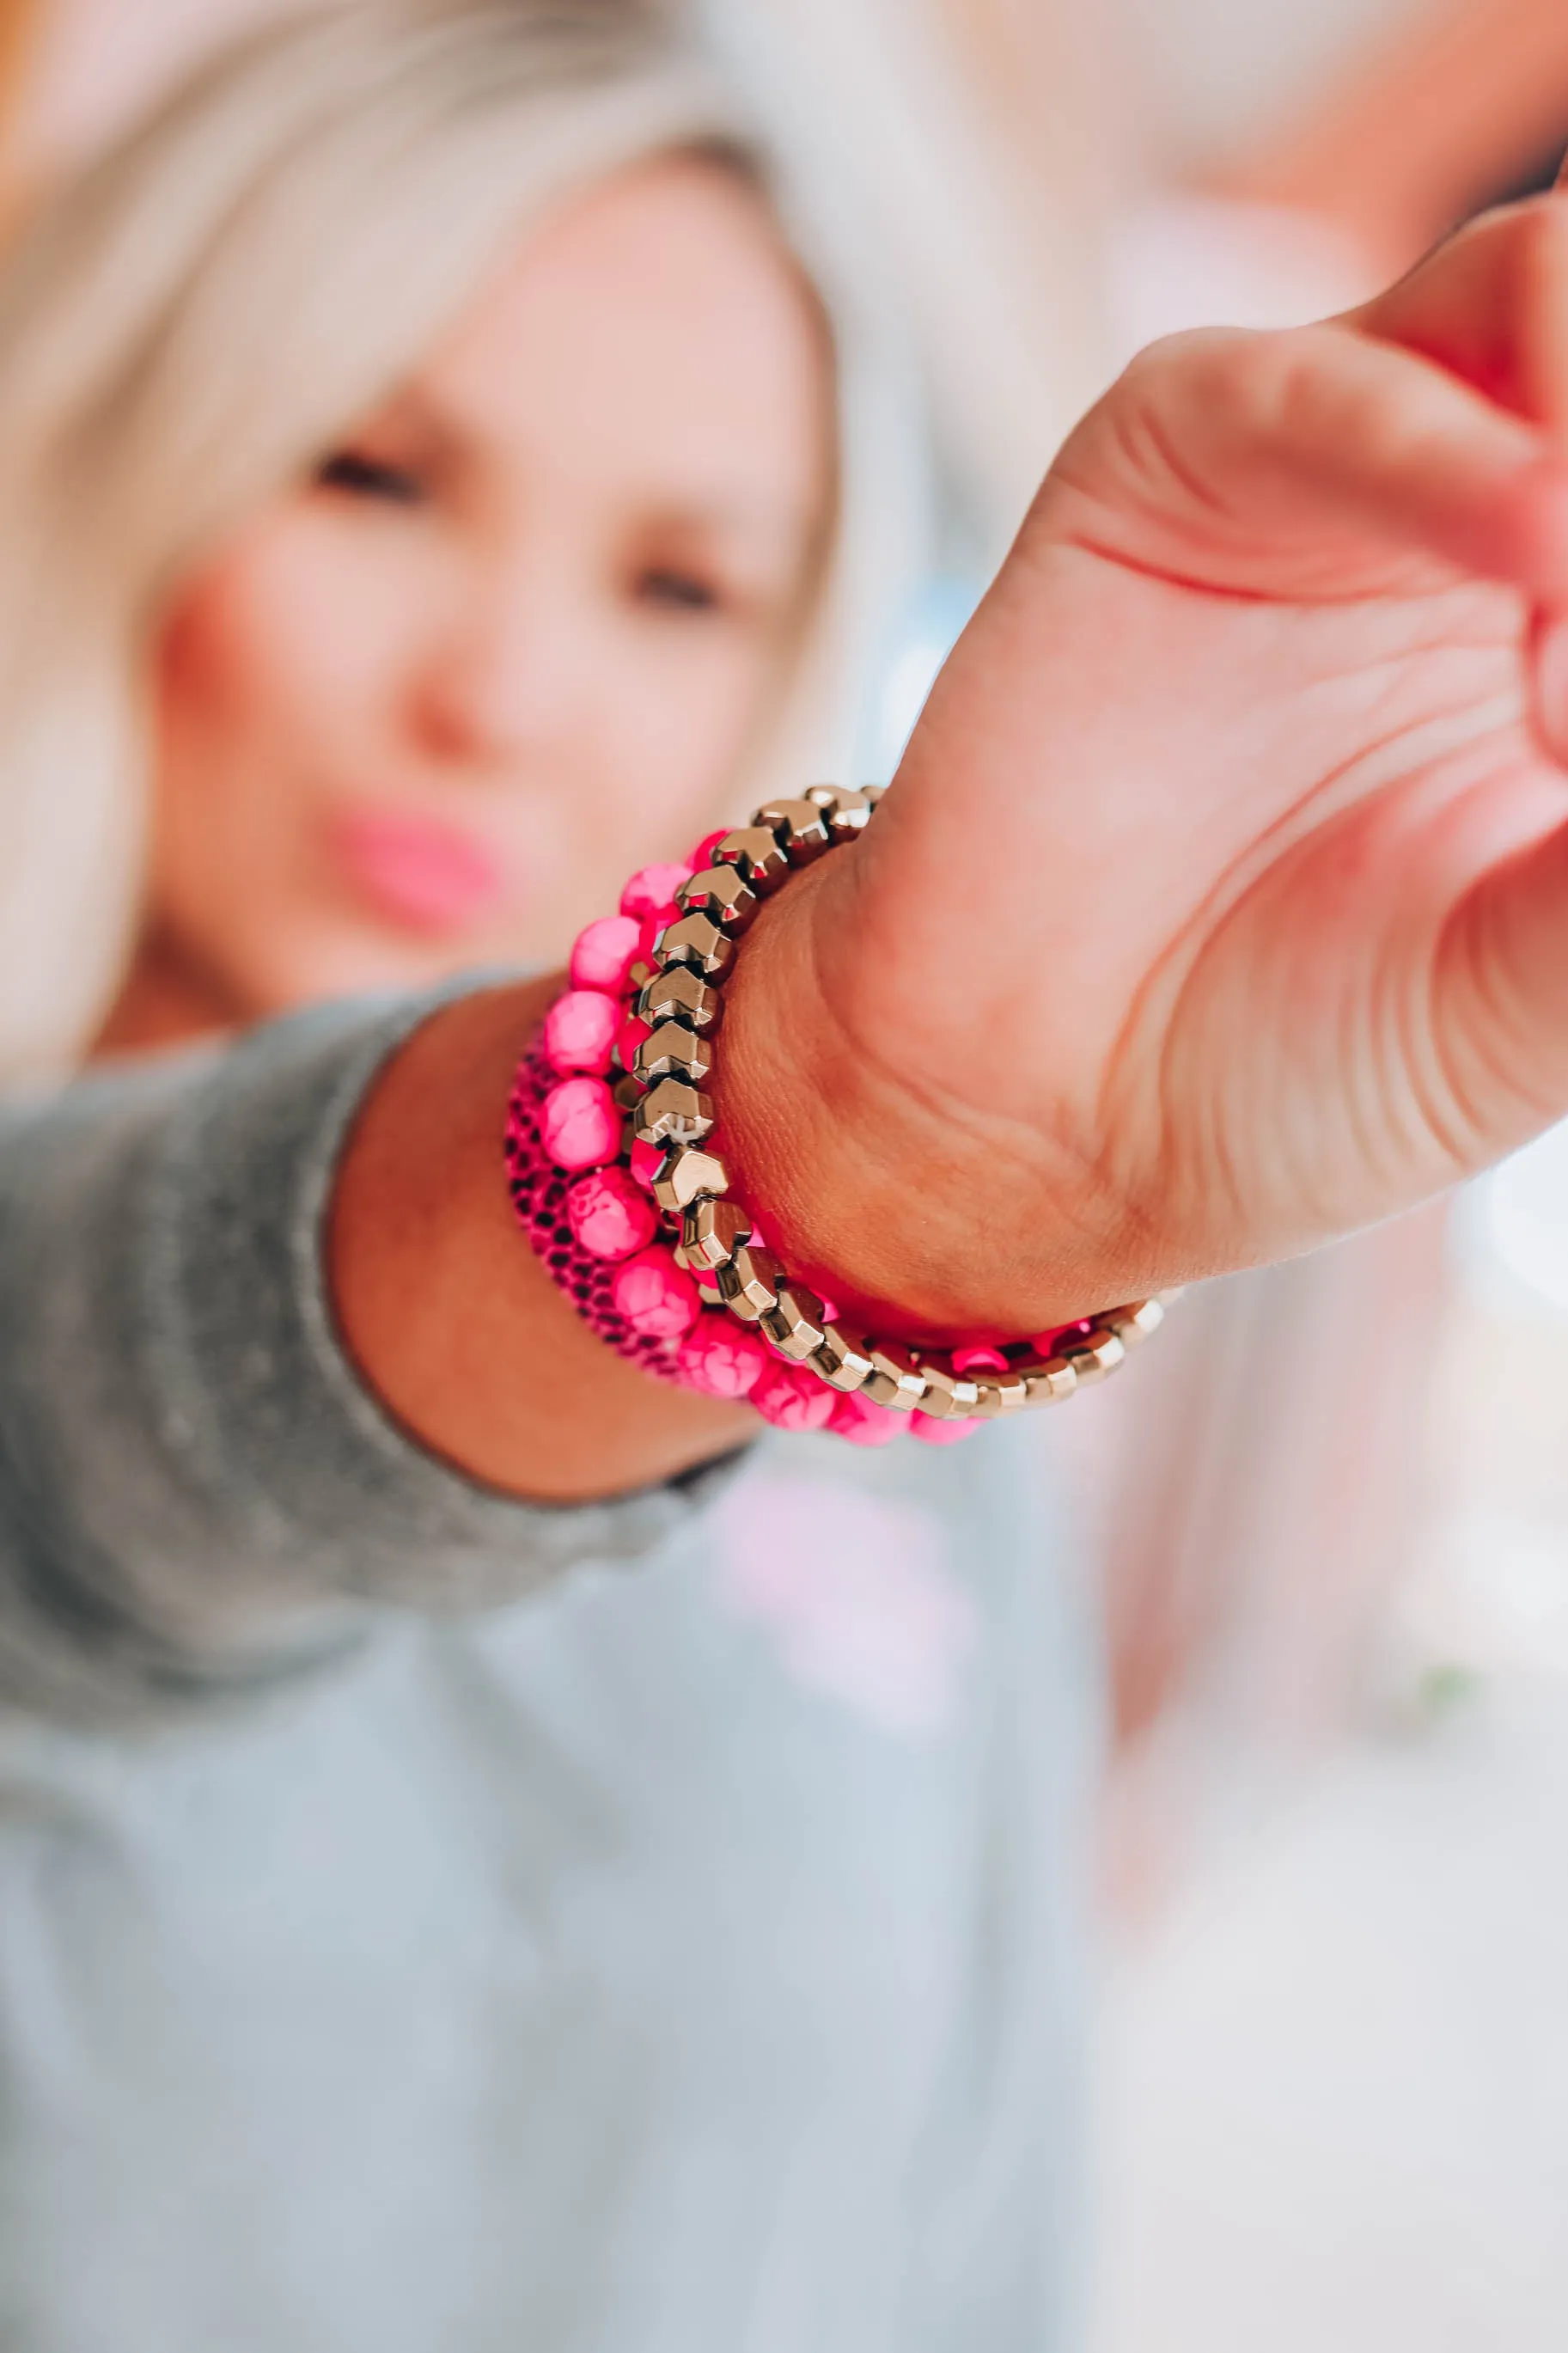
(1333, 1513)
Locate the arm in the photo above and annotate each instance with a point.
(197, 1490)
(441, 1300)
(1218, 907)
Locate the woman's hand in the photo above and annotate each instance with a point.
(1221, 902)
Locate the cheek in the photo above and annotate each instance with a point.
(272, 685)
(255, 660)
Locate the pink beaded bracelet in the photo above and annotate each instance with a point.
(616, 1178)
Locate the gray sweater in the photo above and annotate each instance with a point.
(434, 1924)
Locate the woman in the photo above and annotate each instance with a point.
(465, 1965)
(684, 1956)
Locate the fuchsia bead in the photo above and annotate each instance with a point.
(647, 1160)
(722, 1358)
(791, 1399)
(580, 1030)
(933, 1431)
(579, 1124)
(652, 890)
(865, 1424)
(706, 847)
(608, 1215)
(628, 1038)
(979, 1359)
(604, 953)
(1046, 1343)
(658, 1298)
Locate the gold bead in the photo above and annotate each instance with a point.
(712, 1231)
(754, 852)
(639, 973)
(1049, 1380)
(680, 995)
(750, 1284)
(1133, 1325)
(627, 1091)
(796, 1322)
(698, 941)
(1001, 1393)
(895, 1379)
(674, 1052)
(799, 825)
(875, 794)
(1091, 1355)
(684, 1174)
(723, 892)
(847, 812)
(673, 1113)
(950, 1396)
(844, 1359)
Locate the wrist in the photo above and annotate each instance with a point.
(897, 1205)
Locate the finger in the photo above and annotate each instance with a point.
(1501, 1007)
(1491, 306)
(1321, 424)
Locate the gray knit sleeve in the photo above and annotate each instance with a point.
(197, 1491)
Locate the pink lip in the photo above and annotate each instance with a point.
(422, 875)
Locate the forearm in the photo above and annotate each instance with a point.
(450, 1316)
(197, 1488)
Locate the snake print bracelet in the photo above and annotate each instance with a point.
(619, 1179)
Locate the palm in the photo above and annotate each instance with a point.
(1249, 764)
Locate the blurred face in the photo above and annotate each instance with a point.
(517, 635)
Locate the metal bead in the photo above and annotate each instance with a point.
(799, 825)
(748, 1285)
(1133, 1325)
(796, 1322)
(698, 941)
(725, 894)
(627, 1091)
(874, 793)
(672, 1050)
(895, 1379)
(844, 1359)
(1002, 1393)
(673, 1113)
(1092, 1355)
(948, 1396)
(847, 812)
(639, 972)
(680, 995)
(712, 1231)
(754, 852)
(1049, 1380)
(685, 1174)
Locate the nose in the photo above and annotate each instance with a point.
(504, 672)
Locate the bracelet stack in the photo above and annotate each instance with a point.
(618, 1177)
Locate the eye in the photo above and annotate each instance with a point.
(676, 590)
(360, 477)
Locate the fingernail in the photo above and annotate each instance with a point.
(1550, 669)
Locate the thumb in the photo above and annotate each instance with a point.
(1501, 998)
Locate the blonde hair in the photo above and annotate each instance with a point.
(207, 309)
